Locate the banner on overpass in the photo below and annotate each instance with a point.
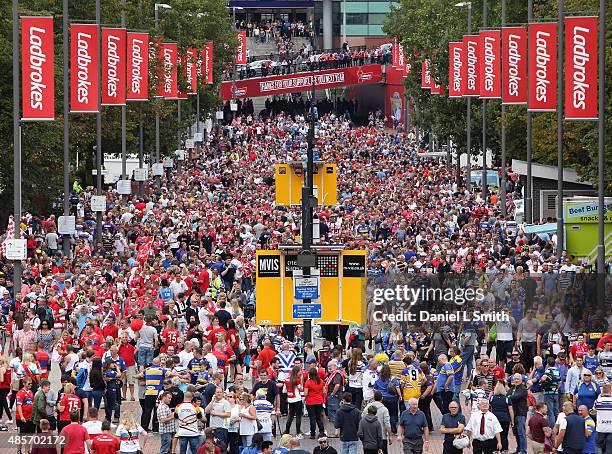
(290, 83)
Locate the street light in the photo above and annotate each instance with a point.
(468, 176)
(158, 6)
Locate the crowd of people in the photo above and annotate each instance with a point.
(160, 309)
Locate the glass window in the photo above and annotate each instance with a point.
(356, 19)
(376, 18)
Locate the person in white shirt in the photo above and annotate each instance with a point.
(186, 354)
(370, 375)
(603, 406)
(484, 430)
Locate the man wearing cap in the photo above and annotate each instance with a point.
(264, 410)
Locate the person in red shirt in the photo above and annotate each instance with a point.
(579, 349)
(74, 436)
(68, 403)
(313, 392)
(110, 328)
(43, 359)
(25, 403)
(127, 352)
(97, 341)
(169, 336)
(214, 331)
(105, 443)
(266, 354)
(45, 445)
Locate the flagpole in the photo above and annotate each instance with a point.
(560, 242)
(99, 128)
(502, 187)
(123, 117)
(601, 157)
(484, 118)
(468, 179)
(528, 205)
(65, 22)
(17, 146)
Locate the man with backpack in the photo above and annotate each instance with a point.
(347, 420)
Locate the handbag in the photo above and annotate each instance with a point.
(461, 442)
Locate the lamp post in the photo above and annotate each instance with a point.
(65, 26)
(484, 118)
(502, 187)
(560, 50)
(158, 6)
(16, 145)
(601, 158)
(99, 127)
(468, 174)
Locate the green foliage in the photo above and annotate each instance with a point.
(427, 26)
(191, 23)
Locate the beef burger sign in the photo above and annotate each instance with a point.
(37, 74)
(581, 68)
(84, 68)
(543, 67)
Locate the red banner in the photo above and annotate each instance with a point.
(581, 68)
(470, 68)
(241, 49)
(182, 94)
(192, 70)
(514, 69)
(84, 68)
(208, 63)
(543, 67)
(437, 89)
(170, 64)
(113, 66)
(37, 72)
(455, 63)
(266, 86)
(137, 66)
(395, 53)
(490, 64)
(426, 82)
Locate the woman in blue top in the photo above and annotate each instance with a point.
(389, 388)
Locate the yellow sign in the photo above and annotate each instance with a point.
(343, 287)
(290, 180)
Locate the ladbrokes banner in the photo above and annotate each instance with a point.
(395, 53)
(208, 63)
(192, 70)
(264, 86)
(581, 68)
(426, 82)
(490, 64)
(84, 68)
(470, 68)
(37, 72)
(543, 67)
(137, 66)
(241, 49)
(514, 69)
(454, 69)
(170, 64)
(113, 66)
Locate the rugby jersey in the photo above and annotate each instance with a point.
(603, 405)
(154, 379)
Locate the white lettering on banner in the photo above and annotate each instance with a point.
(427, 74)
(137, 60)
(514, 59)
(113, 61)
(457, 64)
(542, 59)
(189, 70)
(489, 61)
(37, 59)
(84, 60)
(167, 71)
(305, 81)
(472, 59)
(581, 58)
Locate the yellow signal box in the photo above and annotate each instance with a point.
(290, 180)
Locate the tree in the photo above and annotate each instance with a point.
(191, 23)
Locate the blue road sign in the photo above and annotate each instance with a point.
(306, 288)
(307, 310)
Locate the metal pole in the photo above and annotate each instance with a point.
(601, 157)
(157, 107)
(178, 133)
(502, 189)
(123, 117)
(307, 212)
(484, 118)
(560, 242)
(16, 145)
(197, 122)
(468, 182)
(99, 129)
(65, 21)
(343, 21)
(529, 183)
(140, 148)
